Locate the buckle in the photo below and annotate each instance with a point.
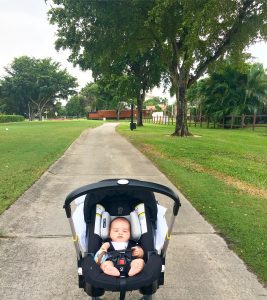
(121, 261)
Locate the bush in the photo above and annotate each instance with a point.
(11, 118)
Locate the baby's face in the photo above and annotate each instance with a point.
(120, 230)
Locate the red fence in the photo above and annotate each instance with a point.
(112, 114)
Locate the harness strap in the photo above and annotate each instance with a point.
(122, 261)
(122, 283)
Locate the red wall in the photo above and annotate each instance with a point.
(111, 114)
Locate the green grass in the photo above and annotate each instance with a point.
(28, 149)
(205, 168)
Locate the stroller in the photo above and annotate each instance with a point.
(96, 205)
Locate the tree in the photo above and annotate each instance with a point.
(256, 89)
(14, 90)
(75, 106)
(121, 91)
(190, 34)
(231, 91)
(153, 101)
(197, 33)
(97, 41)
(98, 95)
(91, 96)
(159, 103)
(224, 92)
(144, 70)
(196, 96)
(33, 84)
(58, 109)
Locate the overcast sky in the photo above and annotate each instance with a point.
(25, 30)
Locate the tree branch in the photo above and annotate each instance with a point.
(224, 43)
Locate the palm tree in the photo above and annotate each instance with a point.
(256, 90)
(224, 92)
(233, 92)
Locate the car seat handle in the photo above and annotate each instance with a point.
(129, 184)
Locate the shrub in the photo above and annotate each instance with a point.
(11, 118)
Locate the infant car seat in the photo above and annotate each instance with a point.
(134, 200)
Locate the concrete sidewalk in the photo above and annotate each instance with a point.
(37, 257)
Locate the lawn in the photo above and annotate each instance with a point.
(28, 149)
(223, 173)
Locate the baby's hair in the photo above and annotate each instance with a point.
(120, 218)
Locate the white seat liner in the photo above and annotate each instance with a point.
(80, 225)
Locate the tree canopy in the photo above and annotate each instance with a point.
(107, 48)
(31, 85)
(104, 94)
(158, 102)
(188, 35)
(75, 106)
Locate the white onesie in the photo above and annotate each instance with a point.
(119, 245)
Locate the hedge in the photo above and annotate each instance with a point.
(11, 118)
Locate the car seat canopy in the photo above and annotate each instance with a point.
(119, 203)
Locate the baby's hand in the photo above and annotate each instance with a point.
(137, 251)
(105, 246)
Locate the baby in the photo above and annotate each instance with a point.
(119, 235)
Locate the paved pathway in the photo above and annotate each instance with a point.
(37, 258)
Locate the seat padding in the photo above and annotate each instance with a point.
(106, 220)
(105, 225)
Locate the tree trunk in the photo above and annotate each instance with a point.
(39, 113)
(29, 112)
(140, 109)
(118, 114)
(179, 77)
(181, 127)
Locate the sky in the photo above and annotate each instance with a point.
(25, 30)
